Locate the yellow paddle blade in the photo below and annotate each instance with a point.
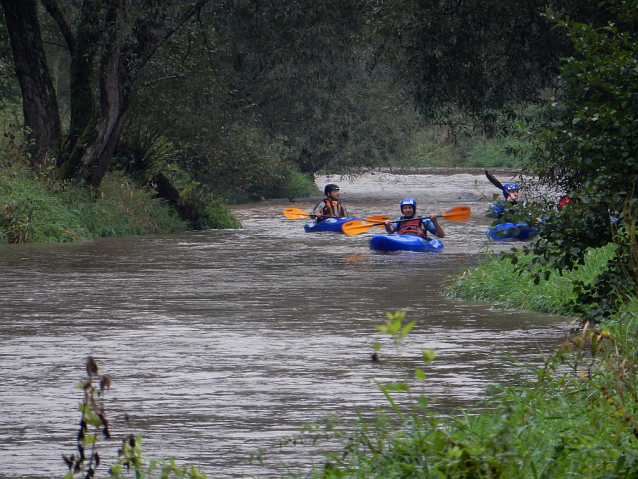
(378, 219)
(355, 227)
(458, 213)
(295, 213)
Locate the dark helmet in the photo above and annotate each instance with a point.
(507, 187)
(407, 202)
(329, 188)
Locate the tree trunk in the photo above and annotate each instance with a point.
(41, 115)
(113, 102)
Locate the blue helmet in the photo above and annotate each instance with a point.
(507, 187)
(407, 202)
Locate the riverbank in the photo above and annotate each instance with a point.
(35, 209)
(572, 417)
(575, 419)
(505, 285)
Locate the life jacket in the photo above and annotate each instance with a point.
(413, 227)
(564, 201)
(333, 208)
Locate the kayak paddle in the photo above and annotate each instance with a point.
(354, 227)
(498, 184)
(296, 214)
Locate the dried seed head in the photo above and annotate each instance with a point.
(105, 383)
(91, 366)
(69, 461)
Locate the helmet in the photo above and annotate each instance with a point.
(329, 188)
(407, 202)
(507, 187)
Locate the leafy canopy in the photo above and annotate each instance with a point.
(588, 148)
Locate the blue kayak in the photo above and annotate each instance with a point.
(510, 231)
(329, 224)
(395, 242)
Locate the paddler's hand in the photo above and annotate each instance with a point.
(388, 226)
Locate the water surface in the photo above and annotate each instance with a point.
(222, 342)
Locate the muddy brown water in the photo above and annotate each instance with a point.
(222, 342)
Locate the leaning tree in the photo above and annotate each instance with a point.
(109, 43)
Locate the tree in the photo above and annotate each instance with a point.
(473, 63)
(588, 148)
(40, 108)
(110, 42)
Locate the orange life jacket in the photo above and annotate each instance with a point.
(413, 227)
(333, 208)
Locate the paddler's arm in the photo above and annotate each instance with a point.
(440, 232)
(317, 214)
(387, 224)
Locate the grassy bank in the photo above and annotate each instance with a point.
(34, 209)
(496, 281)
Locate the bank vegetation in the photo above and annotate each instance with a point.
(201, 103)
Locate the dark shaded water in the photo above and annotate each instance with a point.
(221, 342)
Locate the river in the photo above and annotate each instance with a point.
(222, 342)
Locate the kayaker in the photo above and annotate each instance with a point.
(330, 206)
(414, 225)
(510, 192)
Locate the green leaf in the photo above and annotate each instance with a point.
(420, 375)
(423, 402)
(406, 329)
(91, 418)
(376, 346)
(393, 328)
(397, 387)
(428, 356)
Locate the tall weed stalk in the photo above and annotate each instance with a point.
(94, 428)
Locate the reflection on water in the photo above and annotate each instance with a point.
(220, 342)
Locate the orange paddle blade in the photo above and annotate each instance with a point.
(459, 213)
(355, 227)
(378, 219)
(295, 213)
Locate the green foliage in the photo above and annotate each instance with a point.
(512, 285)
(34, 209)
(494, 154)
(473, 63)
(217, 216)
(587, 147)
(575, 417)
(435, 146)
